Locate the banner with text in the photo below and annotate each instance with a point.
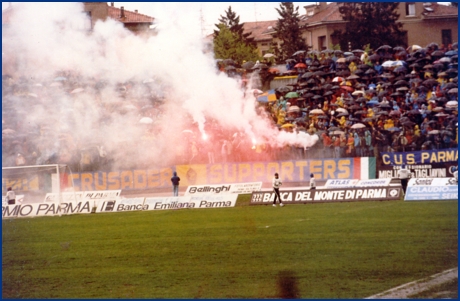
(427, 189)
(328, 195)
(239, 188)
(420, 157)
(357, 183)
(228, 173)
(435, 170)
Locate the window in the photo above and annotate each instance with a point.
(322, 43)
(410, 9)
(446, 36)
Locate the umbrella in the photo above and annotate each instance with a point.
(452, 104)
(342, 114)
(292, 95)
(430, 82)
(273, 70)
(433, 132)
(287, 125)
(298, 52)
(445, 60)
(260, 66)
(400, 69)
(361, 112)
(358, 126)
(414, 48)
(342, 60)
(230, 67)
(453, 91)
(347, 88)
(334, 128)
(401, 83)
(146, 120)
(338, 79)
(284, 89)
(394, 129)
(342, 110)
(437, 53)
(337, 133)
(384, 47)
(229, 62)
(316, 111)
(307, 75)
(248, 65)
(293, 109)
(300, 65)
(268, 55)
(388, 64)
(371, 119)
(353, 76)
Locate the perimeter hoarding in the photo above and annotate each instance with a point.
(429, 189)
(328, 195)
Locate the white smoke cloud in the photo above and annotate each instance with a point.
(47, 38)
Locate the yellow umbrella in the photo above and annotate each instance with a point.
(287, 125)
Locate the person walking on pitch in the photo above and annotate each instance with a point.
(276, 187)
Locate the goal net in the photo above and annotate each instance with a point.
(32, 183)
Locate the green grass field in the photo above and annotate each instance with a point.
(329, 250)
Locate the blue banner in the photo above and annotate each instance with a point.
(420, 157)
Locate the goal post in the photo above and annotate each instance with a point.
(35, 181)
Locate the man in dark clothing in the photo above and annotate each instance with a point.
(175, 181)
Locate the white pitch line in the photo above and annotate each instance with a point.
(418, 286)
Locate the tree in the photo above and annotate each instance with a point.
(232, 21)
(373, 23)
(288, 31)
(228, 45)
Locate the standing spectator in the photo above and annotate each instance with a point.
(175, 181)
(404, 175)
(312, 181)
(276, 187)
(10, 196)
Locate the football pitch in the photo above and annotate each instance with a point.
(327, 250)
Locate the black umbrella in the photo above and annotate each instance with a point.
(401, 83)
(229, 62)
(248, 65)
(430, 82)
(384, 47)
(307, 75)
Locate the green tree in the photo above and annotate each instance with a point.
(232, 21)
(288, 31)
(228, 45)
(373, 23)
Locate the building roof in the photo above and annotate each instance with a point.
(329, 14)
(260, 30)
(436, 10)
(129, 16)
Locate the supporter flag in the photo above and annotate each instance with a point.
(268, 96)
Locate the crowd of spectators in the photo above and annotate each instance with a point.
(357, 103)
(361, 103)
